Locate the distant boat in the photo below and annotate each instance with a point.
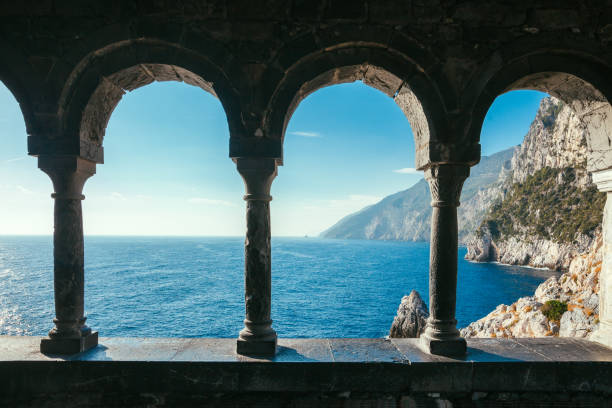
(305, 236)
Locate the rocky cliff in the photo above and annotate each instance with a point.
(549, 215)
(546, 211)
(567, 306)
(406, 215)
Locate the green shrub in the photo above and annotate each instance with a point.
(553, 310)
(543, 207)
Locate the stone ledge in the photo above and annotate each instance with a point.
(396, 367)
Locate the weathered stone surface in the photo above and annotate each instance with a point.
(451, 61)
(441, 335)
(257, 337)
(371, 372)
(70, 334)
(411, 317)
(578, 288)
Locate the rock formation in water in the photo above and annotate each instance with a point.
(567, 306)
(411, 317)
(548, 211)
(406, 215)
(544, 211)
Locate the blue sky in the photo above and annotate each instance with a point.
(167, 170)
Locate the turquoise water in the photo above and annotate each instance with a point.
(193, 286)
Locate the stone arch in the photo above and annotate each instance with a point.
(581, 81)
(578, 81)
(95, 88)
(14, 75)
(392, 72)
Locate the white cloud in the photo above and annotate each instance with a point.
(407, 170)
(306, 134)
(15, 159)
(24, 190)
(209, 201)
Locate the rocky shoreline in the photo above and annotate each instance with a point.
(576, 293)
(544, 212)
(527, 251)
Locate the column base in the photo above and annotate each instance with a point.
(454, 346)
(68, 345)
(603, 335)
(263, 347)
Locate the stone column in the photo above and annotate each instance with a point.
(603, 179)
(258, 336)
(70, 334)
(441, 335)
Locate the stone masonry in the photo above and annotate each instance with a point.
(68, 64)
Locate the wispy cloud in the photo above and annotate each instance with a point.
(306, 134)
(209, 201)
(24, 190)
(15, 159)
(407, 170)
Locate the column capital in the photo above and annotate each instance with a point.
(258, 175)
(68, 174)
(603, 180)
(445, 182)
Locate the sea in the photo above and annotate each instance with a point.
(194, 286)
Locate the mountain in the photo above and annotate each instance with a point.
(549, 210)
(406, 215)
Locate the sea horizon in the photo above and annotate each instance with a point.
(193, 286)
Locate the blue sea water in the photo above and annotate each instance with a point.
(193, 286)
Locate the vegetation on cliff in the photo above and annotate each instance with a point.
(548, 205)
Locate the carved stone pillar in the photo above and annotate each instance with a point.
(70, 334)
(603, 179)
(258, 336)
(441, 335)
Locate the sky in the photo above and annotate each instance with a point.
(167, 170)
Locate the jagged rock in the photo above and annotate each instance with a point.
(411, 317)
(578, 288)
(575, 323)
(556, 140)
(481, 249)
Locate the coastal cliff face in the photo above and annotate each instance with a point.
(550, 216)
(546, 210)
(567, 306)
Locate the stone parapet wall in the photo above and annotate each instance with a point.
(305, 373)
